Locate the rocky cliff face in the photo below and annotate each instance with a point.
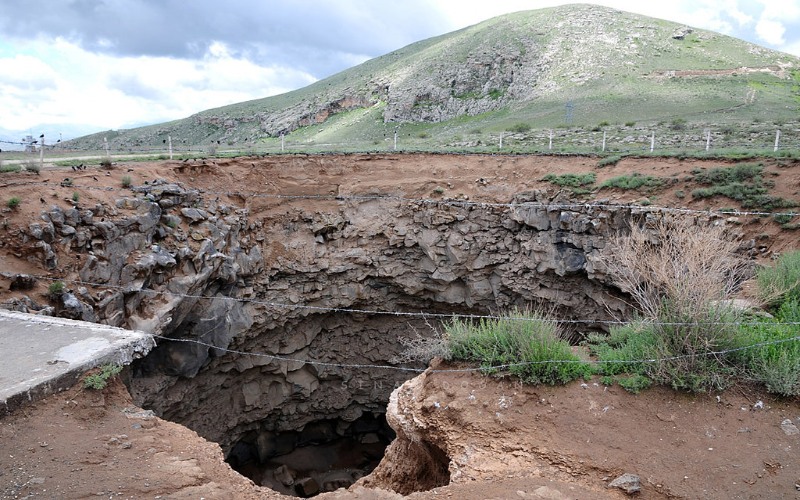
(240, 300)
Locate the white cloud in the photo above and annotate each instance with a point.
(771, 31)
(118, 92)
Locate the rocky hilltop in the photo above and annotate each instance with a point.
(581, 64)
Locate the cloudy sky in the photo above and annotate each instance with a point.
(72, 67)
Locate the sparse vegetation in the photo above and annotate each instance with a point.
(13, 202)
(609, 160)
(571, 180)
(6, 169)
(519, 128)
(106, 164)
(126, 181)
(98, 381)
(76, 196)
(633, 181)
(743, 183)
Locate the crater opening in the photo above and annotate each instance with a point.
(323, 456)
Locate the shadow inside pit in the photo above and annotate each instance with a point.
(324, 456)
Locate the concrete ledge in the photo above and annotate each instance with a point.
(42, 355)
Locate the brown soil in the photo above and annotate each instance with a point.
(547, 442)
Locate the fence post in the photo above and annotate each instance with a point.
(604, 141)
(777, 140)
(501, 140)
(105, 143)
(550, 144)
(41, 152)
(708, 139)
(395, 137)
(282, 143)
(169, 141)
(652, 142)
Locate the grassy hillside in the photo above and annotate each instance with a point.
(570, 67)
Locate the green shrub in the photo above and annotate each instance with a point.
(743, 183)
(98, 381)
(780, 282)
(13, 202)
(106, 164)
(635, 383)
(126, 181)
(56, 289)
(571, 180)
(609, 160)
(520, 128)
(33, 166)
(630, 124)
(633, 181)
(76, 196)
(5, 169)
(524, 344)
(770, 351)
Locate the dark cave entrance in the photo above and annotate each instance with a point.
(324, 456)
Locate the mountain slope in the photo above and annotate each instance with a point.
(578, 63)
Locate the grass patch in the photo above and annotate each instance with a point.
(578, 183)
(743, 183)
(775, 359)
(780, 282)
(13, 202)
(609, 161)
(99, 381)
(7, 169)
(523, 344)
(634, 181)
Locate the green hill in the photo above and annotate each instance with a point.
(571, 66)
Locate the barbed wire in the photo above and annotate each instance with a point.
(328, 364)
(434, 201)
(378, 312)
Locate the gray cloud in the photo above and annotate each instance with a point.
(318, 37)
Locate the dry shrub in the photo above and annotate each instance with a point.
(679, 271)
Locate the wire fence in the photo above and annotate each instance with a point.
(710, 139)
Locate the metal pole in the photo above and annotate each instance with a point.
(501, 140)
(708, 140)
(41, 153)
(652, 142)
(105, 143)
(604, 141)
(777, 140)
(169, 140)
(550, 144)
(395, 137)
(281, 143)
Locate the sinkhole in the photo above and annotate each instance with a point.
(323, 456)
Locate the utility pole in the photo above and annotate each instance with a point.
(105, 143)
(777, 140)
(41, 152)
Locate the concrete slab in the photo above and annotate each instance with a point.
(41, 355)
